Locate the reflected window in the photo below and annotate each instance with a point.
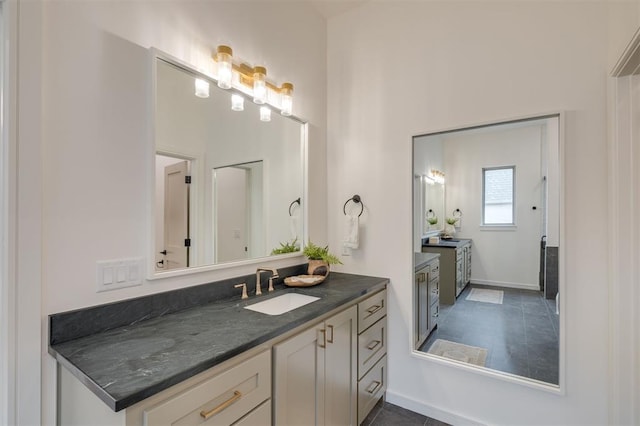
(497, 195)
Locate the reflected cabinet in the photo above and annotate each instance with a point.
(455, 267)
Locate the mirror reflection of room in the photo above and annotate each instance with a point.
(242, 172)
(486, 241)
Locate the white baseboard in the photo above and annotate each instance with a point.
(429, 410)
(520, 286)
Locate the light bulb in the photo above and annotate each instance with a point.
(287, 99)
(202, 88)
(259, 85)
(265, 113)
(224, 58)
(237, 102)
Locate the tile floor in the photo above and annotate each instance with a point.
(521, 334)
(386, 414)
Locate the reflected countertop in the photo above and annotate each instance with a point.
(421, 259)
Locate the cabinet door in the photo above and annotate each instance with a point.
(299, 384)
(341, 368)
(423, 311)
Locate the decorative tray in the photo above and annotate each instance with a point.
(304, 280)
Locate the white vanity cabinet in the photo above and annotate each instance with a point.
(455, 268)
(315, 374)
(427, 300)
(329, 372)
(235, 393)
(334, 372)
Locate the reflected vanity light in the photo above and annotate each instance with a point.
(202, 88)
(265, 113)
(437, 176)
(428, 180)
(237, 102)
(253, 81)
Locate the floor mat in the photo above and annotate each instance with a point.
(485, 295)
(459, 352)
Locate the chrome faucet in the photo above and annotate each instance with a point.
(274, 274)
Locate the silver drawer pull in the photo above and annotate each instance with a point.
(373, 387)
(207, 414)
(373, 345)
(375, 308)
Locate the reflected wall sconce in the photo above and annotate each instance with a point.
(202, 88)
(437, 176)
(265, 113)
(237, 102)
(251, 80)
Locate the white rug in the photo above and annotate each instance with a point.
(486, 295)
(459, 352)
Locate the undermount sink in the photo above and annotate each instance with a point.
(282, 304)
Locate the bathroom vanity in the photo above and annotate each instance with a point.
(217, 362)
(426, 295)
(455, 266)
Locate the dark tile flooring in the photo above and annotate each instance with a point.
(521, 334)
(385, 414)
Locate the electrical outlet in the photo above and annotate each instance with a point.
(119, 273)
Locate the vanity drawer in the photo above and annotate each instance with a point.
(372, 345)
(434, 291)
(371, 388)
(434, 271)
(371, 310)
(220, 400)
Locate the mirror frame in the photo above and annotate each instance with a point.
(560, 388)
(151, 273)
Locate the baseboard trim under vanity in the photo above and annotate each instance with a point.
(521, 286)
(429, 410)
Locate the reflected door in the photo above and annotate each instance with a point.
(231, 229)
(176, 215)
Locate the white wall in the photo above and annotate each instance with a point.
(397, 69)
(503, 256)
(95, 116)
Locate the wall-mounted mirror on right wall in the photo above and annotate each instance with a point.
(487, 284)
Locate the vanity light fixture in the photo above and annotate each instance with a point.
(224, 58)
(237, 102)
(252, 80)
(265, 113)
(259, 85)
(286, 92)
(437, 176)
(202, 88)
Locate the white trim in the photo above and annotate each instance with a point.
(7, 216)
(413, 404)
(521, 286)
(498, 228)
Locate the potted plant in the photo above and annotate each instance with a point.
(433, 220)
(319, 259)
(288, 247)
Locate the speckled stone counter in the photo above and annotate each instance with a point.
(421, 259)
(448, 243)
(130, 363)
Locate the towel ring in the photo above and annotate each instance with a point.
(292, 203)
(356, 199)
(457, 213)
(431, 214)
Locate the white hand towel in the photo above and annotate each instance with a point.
(293, 226)
(351, 232)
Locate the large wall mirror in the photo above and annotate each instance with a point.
(229, 187)
(487, 283)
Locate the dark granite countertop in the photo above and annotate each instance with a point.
(421, 259)
(127, 364)
(447, 243)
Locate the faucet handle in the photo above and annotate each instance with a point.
(244, 290)
(271, 282)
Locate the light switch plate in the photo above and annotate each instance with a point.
(118, 273)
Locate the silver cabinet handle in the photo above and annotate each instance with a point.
(373, 387)
(375, 308)
(371, 346)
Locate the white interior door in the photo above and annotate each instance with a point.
(176, 215)
(231, 207)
